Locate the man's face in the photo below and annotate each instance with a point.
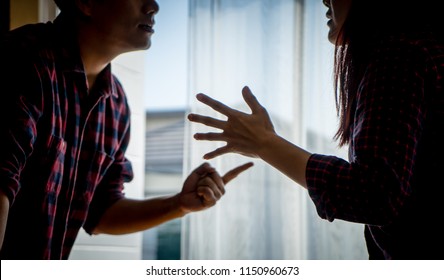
(124, 25)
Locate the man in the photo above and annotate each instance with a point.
(65, 126)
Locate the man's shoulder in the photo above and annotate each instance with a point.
(28, 38)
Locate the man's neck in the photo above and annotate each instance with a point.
(96, 55)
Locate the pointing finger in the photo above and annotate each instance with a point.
(230, 175)
(217, 152)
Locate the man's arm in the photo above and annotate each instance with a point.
(201, 190)
(128, 215)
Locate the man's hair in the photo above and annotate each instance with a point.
(65, 5)
(69, 6)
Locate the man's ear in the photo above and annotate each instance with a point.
(85, 7)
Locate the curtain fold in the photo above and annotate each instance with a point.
(267, 45)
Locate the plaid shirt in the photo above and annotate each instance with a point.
(392, 181)
(62, 154)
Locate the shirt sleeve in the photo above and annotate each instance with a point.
(108, 192)
(20, 109)
(374, 185)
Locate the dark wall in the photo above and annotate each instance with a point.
(4, 15)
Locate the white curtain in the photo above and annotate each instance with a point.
(278, 48)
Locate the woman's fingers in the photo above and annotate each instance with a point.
(210, 136)
(243, 133)
(251, 100)
(216, 105)
(208, 121)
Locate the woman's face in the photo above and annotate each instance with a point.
(337, 13)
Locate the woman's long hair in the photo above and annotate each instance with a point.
(366, 24)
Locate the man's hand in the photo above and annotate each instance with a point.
(204, 187)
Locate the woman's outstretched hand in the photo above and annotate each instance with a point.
(243, 133)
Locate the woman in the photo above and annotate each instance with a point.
(389, 70)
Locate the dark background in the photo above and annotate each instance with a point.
(4, 15)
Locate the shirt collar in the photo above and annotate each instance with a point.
(105, 82)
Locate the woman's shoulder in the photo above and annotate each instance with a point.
(420, 41)
(420, 47)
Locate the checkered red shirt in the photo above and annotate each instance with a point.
(62, 160)
(393, 180)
